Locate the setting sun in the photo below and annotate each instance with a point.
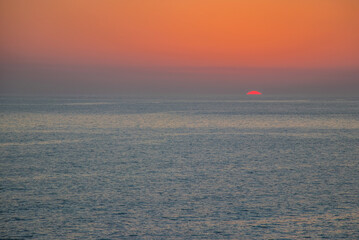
(254, 93)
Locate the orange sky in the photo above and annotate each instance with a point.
(233, 33)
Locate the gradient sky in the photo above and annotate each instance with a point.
(274, 46)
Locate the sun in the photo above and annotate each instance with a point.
(254, 93)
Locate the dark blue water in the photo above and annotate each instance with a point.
(179, 168)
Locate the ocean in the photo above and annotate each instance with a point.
(179, 167)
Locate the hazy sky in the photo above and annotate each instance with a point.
(214, 46)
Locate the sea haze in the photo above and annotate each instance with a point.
(224, 167)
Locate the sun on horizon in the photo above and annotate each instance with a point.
(254, 93)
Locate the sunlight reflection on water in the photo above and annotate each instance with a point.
(17, 122)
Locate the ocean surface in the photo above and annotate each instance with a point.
(214, 167)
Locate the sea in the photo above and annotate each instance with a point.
(179, 167)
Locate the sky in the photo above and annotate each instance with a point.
(205, 46)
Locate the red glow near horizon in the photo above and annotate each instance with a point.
(254, 93)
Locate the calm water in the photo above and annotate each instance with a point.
(179, 168)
